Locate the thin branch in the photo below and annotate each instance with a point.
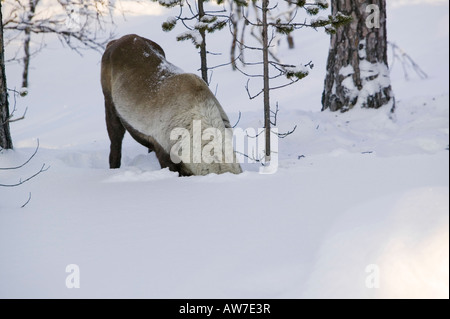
(273, 122)
(250, 96)
(274, 115)
(262, 132)
(284, 85)
(238, 120)
(43, 169)
(257, 160)
(26, 203)
(19, 118)
(27, 161)
(406, 61)
(283, 135)
(9, 119)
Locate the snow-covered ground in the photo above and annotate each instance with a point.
(358, 208)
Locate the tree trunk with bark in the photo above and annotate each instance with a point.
(5, 135)
(357, 68)
(203, 52)
(26, 42)
(266, 88)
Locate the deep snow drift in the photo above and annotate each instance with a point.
(358, 207)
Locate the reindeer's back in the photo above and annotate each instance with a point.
(129, 62)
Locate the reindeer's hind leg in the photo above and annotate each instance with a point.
(116, 132)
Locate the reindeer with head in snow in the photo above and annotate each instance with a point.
(161, 107)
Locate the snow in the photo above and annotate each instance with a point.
(319, 20)
(193, 35)
(167, 66)
(358, 206)
(374, 78)
(171, 20)
(168, 3)
(346, 70)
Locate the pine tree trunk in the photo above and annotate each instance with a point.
(5, 135)
(234, 32)
(265, 36)
(26, 43)
(357, 68)
(203, 52)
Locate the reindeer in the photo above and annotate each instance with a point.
(151, 98)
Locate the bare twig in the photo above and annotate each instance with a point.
(250, 96)
(238, 120)
(78, 25)
(26, 203)
(283, 135)
(262, 132)
(20, 182)
(9, 119)
(19, 118)
(42, 169)
(406, 61)
(27, 161)
(273, 122)
(252, 158)
(274, 115)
